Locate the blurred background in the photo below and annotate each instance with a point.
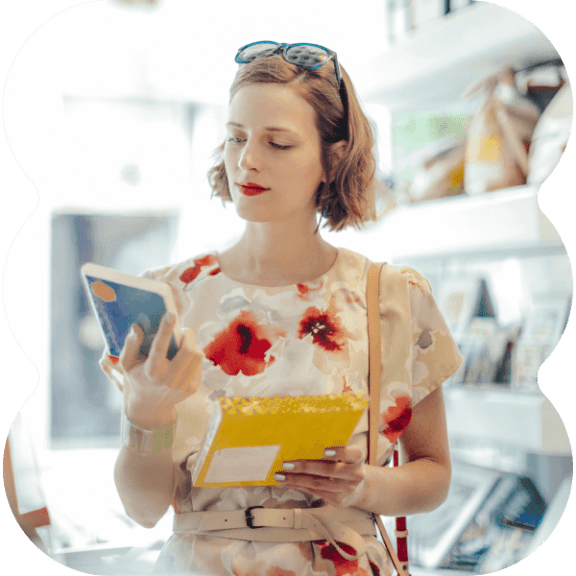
(113, 109)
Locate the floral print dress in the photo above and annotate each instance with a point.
(303, 339)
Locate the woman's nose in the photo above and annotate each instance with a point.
(250, 158)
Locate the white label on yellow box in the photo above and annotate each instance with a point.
(242, 464)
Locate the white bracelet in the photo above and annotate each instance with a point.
(148, 441)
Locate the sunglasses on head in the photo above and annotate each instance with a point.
(303, 54)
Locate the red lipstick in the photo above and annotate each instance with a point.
(251, 189)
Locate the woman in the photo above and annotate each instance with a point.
(282, 312)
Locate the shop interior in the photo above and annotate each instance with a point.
(472, 106)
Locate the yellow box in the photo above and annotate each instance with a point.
(248, 439)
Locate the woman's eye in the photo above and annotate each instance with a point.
(279, 146)
(239, 140)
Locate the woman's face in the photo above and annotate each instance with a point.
(272, 154)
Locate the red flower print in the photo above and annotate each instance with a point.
(346, 388)
(324, 327)
(350, 297)
(342, 566)
(191, 273)
(242, 346)
(306, 289)
(418, 281)
(397, 418)
(375, 569)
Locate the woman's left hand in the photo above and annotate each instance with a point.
(338, 479)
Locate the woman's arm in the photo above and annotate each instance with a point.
(422, 482)
(419, 485)
(145, 483)
(152, 388)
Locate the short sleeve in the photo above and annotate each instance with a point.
(435, 355)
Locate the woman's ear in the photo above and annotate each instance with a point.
(337, 154)
(339, 148)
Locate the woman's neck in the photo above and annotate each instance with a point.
(277, 254)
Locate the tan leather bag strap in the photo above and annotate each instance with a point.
(374, 356)
(375, 369)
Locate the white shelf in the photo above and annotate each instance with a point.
(438, 63)
(459, 226)
(527, 421)
(499, 222)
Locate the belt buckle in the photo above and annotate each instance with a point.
(250, 518)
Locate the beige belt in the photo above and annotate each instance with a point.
(284, 525)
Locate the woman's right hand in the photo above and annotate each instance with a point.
(156, 384)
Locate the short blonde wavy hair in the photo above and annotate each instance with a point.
(349, 199)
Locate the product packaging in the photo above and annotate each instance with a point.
(499, 135)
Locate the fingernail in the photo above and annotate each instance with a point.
(329, 453)
(279, 477)
(288, 466)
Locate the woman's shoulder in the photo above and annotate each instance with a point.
(391, 273)
(414, 278)
(408, 284)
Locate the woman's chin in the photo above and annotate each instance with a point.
(252, 216)
(265, 215)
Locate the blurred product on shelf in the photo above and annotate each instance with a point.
(542, 82)
(498, 135)
(463, 298)
(496, 354)
(467, 307)
(550, 136)
(441, 171)
(540, 334)
(484, 349)
(486, 523)
(428, 149)
(516, 137)
(502, 528)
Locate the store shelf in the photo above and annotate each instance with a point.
(508, 222)
(527, 421)
(438, 63)
(461, 226)
(528, 249)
